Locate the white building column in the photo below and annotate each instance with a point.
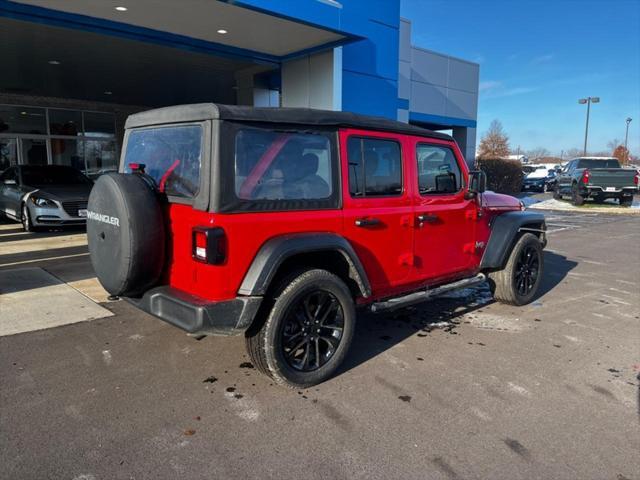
(466, 139)
(313, 81)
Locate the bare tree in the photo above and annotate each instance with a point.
(538, 152)
(494, 143)
(613, 144)
(573, 153)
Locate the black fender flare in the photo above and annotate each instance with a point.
(276, 250)
(504, 229)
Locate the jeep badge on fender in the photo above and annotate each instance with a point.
(275, 223)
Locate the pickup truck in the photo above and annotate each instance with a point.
(598, 178)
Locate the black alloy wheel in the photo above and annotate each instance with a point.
(527, 270)
(312, 330)
(306, 331)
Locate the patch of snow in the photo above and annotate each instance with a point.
(563, 205)
(528, 201)
(572, 339)
(519, 390)
(106, 356)
(480, 414)
(487, 321)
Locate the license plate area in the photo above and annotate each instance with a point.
(82, 213)
(610, 189)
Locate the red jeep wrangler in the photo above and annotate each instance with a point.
(277, 223)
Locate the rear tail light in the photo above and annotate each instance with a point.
(137, 167)
(585, 177)
(208, 245)
(636, 179)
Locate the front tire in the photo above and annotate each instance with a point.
(576, 198)
(307, 332)
(556, 193)
(518, 282)
(27, 223)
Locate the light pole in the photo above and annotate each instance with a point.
(588, 101)
(626, 137)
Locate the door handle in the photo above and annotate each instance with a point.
(367, 222)
(422, 218)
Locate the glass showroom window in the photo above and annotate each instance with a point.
(100, 157)
(23, 120)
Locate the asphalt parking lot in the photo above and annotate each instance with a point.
(460, 388)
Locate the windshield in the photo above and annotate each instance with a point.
(41, 176)
(598, 163)
(170, 155)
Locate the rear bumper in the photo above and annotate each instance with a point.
(594, 190)
(196, 315)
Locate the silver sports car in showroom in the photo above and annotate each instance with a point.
(42, 196)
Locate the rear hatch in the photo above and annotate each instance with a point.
(613, 178)
(175, 157)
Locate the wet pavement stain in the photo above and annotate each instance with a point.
(211, 379)
(602, 391)
(231, 389)
(405, 398)
(517, 448)
(189, 432)
(246, 365)
(445, 468)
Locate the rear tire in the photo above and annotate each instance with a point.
(576, 198)
(518, 282)
(307, 332)
(626, 201)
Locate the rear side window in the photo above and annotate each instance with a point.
(375, 167)
(597, 163)
(438, 170)
(171, 156)
(271, 165)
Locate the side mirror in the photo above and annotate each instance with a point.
(10, 182)
(477, 184)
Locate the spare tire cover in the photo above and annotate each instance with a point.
(126, 233)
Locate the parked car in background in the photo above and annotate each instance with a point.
(550, 180)
(44, 195)
(537, 178)
(598, 178)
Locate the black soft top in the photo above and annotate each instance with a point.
(292, 116)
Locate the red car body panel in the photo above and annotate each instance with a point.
(398, 255)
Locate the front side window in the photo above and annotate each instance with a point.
(171, 156)
(375, 167)
(271, 165)
(438, 170)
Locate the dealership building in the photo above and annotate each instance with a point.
(73, 70)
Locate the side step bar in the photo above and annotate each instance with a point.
(424, 295)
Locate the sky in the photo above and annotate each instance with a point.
(537, 58)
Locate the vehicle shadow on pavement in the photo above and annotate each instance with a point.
(556, 268)
(375, 334)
